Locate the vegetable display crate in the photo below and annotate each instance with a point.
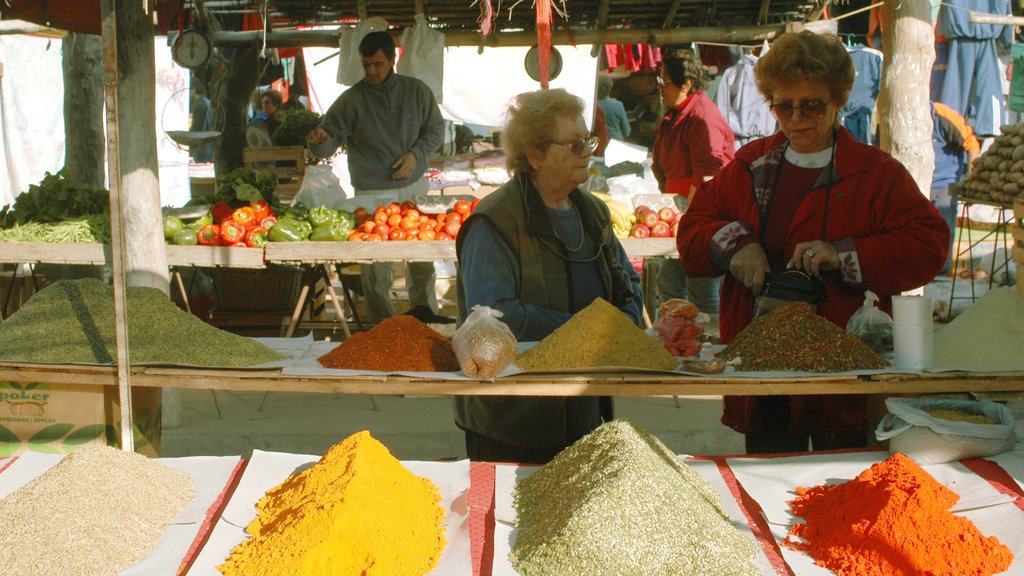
(255, 298)
(1018, 243)
(288, 162)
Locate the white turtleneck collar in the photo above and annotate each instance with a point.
(809, 160)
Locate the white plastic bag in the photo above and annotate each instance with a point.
(871, 325)
(484, 345)
(927, 439)
(350, 63)
(423, 55)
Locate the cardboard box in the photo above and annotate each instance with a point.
(60, 418)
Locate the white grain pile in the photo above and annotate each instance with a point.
(97, 512)
(988, 336)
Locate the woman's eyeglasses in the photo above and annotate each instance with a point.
(808, 109)
(587, 144)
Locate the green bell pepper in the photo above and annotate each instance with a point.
(185, 237)
(330, 232)
(321, 215)
(348, 217)
(290, 229)
(298, 211)
(172, 224)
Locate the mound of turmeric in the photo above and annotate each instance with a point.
(356, 511)
(892, 520)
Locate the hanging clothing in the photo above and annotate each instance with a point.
(742, 104)
(856, 114)
(973, 84)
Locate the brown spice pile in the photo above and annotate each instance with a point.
(599, 335)
(398, 344)
(794, 338)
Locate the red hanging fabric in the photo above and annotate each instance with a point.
(544, 41)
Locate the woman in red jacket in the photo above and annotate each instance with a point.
(812, 198)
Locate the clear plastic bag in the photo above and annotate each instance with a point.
(912, 428)
(484, 345)
(871, 325)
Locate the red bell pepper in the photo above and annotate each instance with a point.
(268, 222)
(221, 211)
(245, 216)
(209, 235)
(240, 244)
(257, 237)
(232, 232)
(261, 208)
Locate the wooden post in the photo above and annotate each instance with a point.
(110, 92)
(904, 104)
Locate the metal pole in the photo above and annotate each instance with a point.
(111, 74)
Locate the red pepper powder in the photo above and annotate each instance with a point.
(398, 344)
(892, 520)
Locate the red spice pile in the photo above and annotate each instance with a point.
(398, 344)
(892, 520)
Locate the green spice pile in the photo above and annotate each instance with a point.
(619, 502)
(72, 321)
(599, 335)
(794, 338)
(99, 511)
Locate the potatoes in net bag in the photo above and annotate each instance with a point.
(937, 430)
(871, 325)
(484, 345)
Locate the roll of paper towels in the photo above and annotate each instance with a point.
(913, 332)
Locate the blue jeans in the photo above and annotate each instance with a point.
(946, 204)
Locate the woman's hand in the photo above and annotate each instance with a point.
(749, 265)
(814, 257)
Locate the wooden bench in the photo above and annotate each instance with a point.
(288, 162)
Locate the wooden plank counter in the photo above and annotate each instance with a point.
(99, 254)
(607, 384)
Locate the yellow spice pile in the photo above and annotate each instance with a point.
(599, 335)
(356, 511)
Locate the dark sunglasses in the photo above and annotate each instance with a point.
(578, 146)
(808, 109)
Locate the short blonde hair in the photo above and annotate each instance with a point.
(799, 56)
(531, 120)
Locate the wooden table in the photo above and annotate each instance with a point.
(604, 384)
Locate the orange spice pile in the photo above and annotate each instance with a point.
(892, 520)
(398, 344)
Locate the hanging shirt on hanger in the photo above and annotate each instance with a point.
(742, 104)
(856, 114)
(973, 84)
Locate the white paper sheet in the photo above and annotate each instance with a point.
(209, 476)
(1010, 461)
(772, 482)
(307, 365)
(505, 479)
(268, 469)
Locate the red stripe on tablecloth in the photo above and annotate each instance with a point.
(998, 477)
(212, 515)
(481, 517)
(6, 463)
(755, 518)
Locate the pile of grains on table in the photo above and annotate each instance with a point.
(987, 336)
(598, 336)
(358, 510)
(72, 321)
(99, 511)
(619, 502)
(893, 519)
(398, 344)
(794, 338)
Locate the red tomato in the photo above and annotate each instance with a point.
(463, 207)
(427, 234)
(453, 217)
(408, 223)
(452, 228)
(443, 236)
(367, 227)
(380, 216)
(413, 234)
(383, 230)
(361, 215)
(411, 213)
(357, 237)
(374, 237)
(394, 208)
(472, 205)
(408, 205)
(394, 219)
(396, 233)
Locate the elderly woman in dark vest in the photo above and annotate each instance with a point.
(539, 250)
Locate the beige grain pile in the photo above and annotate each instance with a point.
(619, 502)
(97, 512)
(600, 335)
(988, 336)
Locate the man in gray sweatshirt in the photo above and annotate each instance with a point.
(389, 125)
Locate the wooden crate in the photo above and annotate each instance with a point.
(1017, 229)
(288, 162)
